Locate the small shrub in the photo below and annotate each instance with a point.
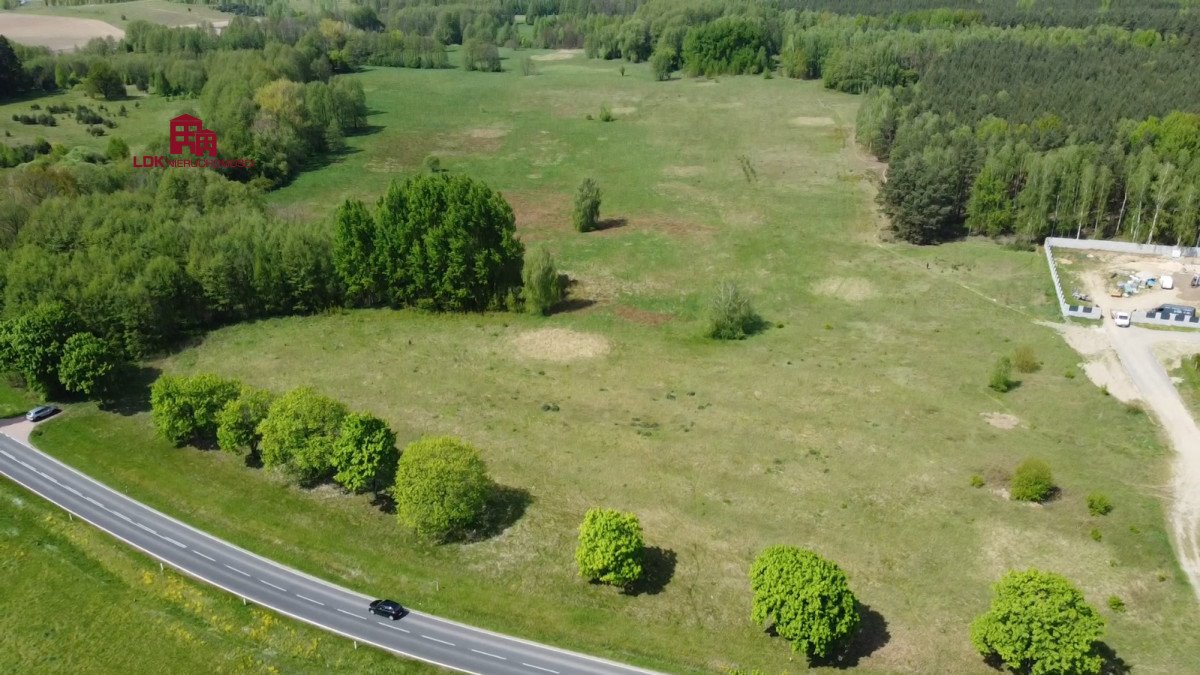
(586, 214)
(731, 316)
(1032, 481)
(606, 114)
(976, 481)
(1025, 360)
(622, 71)
(433, 164)
(543, 287)
(528, 66)
(1096, 536)
(1116, 604)
(1002, 375)
(1098, 504)
(1069, 374)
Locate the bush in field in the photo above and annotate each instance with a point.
(606, 114)
(87, 364)
(1001, 380)
(805, 597)
(731, 316)
(441, 487)
(1026, 360)
(299, 432)
(1032, 481)
(586, 214)
(543, 287)
(610, 547)
(238, 421)
(1098, 504)
(480, 55)
(1039, 624)
(185, 408)
(662, 62)
(364, 453)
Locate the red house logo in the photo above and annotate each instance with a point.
(189, 132)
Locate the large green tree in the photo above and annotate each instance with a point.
(806, 597)
(185, 408)
(364, 453)
(441, 487)
(442, 241)
(299, 432)
(32, 344)
(88, 363)
(12, 77)
(238, 421)
(610, 547)
(1040, 624)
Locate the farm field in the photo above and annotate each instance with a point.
(86, 599)
(120, 14)
(852, 425)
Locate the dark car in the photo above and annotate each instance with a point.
(40, 413)
(388, 608)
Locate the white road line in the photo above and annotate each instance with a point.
(245, 574)
(388, 625)
(172, 541)
(146, 529)
(204, 556)
(122, 516)
(75, 492)
(349, 613)
(278, 588)
(310, 600)
(5, 453)
(26, 465)
(437, 640)
(530, 665)
(494, 656)
(92, 501)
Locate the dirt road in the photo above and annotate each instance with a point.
(1135, 347)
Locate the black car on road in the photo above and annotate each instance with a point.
(388, 608)
(40, 413)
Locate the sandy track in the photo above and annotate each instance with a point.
(59, 33)
(1135, 349)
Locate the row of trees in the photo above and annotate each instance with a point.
(52, 355)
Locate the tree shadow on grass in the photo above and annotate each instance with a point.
(872, 635)
(658, 568)
(384, 502)
(505, 506)
(1113, 664)
(610, 224)
(570, 304)
(132, 396)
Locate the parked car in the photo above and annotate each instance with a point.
(388, 608)
(1121, 318)
(41, 412)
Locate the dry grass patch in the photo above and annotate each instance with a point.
(852, 289)
(559, 55)
(59, 33)
(642, 316)
(560, 345)
(1001, 420)
(811, 121)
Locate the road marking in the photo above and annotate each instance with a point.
(204, 556)
(388, 625)
(494, 656)
(24, 464)
(278, 588)
(7, 455)
(122, 516)
(93, 501)
(437, 640)
(310, 600)
(75, 492)
(237, 570)
(146, 529)
(530, 665)
(172, 541)
(349, 613)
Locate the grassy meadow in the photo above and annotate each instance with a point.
(81, 601)
(851, 425)
(146, 117)
(120, 14)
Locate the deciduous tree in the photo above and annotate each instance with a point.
(805, 597)
(185, 408)
(365, 453)
(238, 421)
(441, 487)
(87, 364)
(299, 432)
(610, 547)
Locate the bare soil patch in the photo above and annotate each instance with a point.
(488, 132)
(853, 289)
(642, 316)
(624, 110)
(1001, 420)
(684, 171)
(59, 33)
(560, 344)
(1103, 367)
(560, 55)
(537, 213)
(811, 121)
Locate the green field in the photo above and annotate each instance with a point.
(146, 117)
(120, 14)
(79, 601)
(15, 402)
(852, 425)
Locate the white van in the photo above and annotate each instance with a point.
(1167, 282)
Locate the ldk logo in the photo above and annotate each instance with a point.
(189, 132)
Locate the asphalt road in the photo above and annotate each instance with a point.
(268, 584)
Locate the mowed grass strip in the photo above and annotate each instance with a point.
(77, 600)
(851, 425)
(120, 14)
